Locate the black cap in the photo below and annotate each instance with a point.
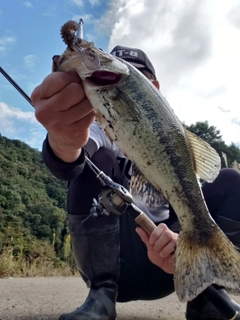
(135, 56)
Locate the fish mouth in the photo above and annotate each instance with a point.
(104, 78)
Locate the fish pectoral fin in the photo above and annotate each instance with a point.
(206, 159)
(128, 104)
(144, 192)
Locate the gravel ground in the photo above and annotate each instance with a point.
(47, 298)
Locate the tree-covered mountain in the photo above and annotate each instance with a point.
(32, 203)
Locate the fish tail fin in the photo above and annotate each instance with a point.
(202, 264)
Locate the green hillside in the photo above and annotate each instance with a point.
(32, 212)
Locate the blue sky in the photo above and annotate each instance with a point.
(29, 37)
(194, 46)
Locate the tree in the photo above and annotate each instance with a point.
(208, 133)
(32, 200)
(213, 136)
(233, 154)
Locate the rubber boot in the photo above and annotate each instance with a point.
(201, 308)
(231, 228)
(96, 249)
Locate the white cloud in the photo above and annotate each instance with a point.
(28, 4)
(176, 32)
(6, 43)
(233, 15)
(87, 18)
(36, 136)
(8, 113)
(195, 48)
(78, 3)
(106, 23)
(95, 2)
(17, 124)
(30, 60)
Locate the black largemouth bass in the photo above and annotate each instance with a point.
(135, 116)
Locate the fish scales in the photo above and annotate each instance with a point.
(139, 120)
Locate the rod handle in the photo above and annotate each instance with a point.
(145, 223)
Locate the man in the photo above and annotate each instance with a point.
(109, 253)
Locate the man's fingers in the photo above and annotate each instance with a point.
(74, 113)
(78, 112)
(60, 80)
(144, 236)
(157, 232)
(68, 106)
(70, 95)
(167, 249)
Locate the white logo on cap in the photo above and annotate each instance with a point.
(124, 52)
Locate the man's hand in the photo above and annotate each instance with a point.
(160, 245)
(63, 109)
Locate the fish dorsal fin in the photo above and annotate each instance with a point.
(144, 192)
(206, 159)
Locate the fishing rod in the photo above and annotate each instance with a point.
(19, 89)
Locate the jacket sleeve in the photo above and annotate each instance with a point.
(64, 170)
